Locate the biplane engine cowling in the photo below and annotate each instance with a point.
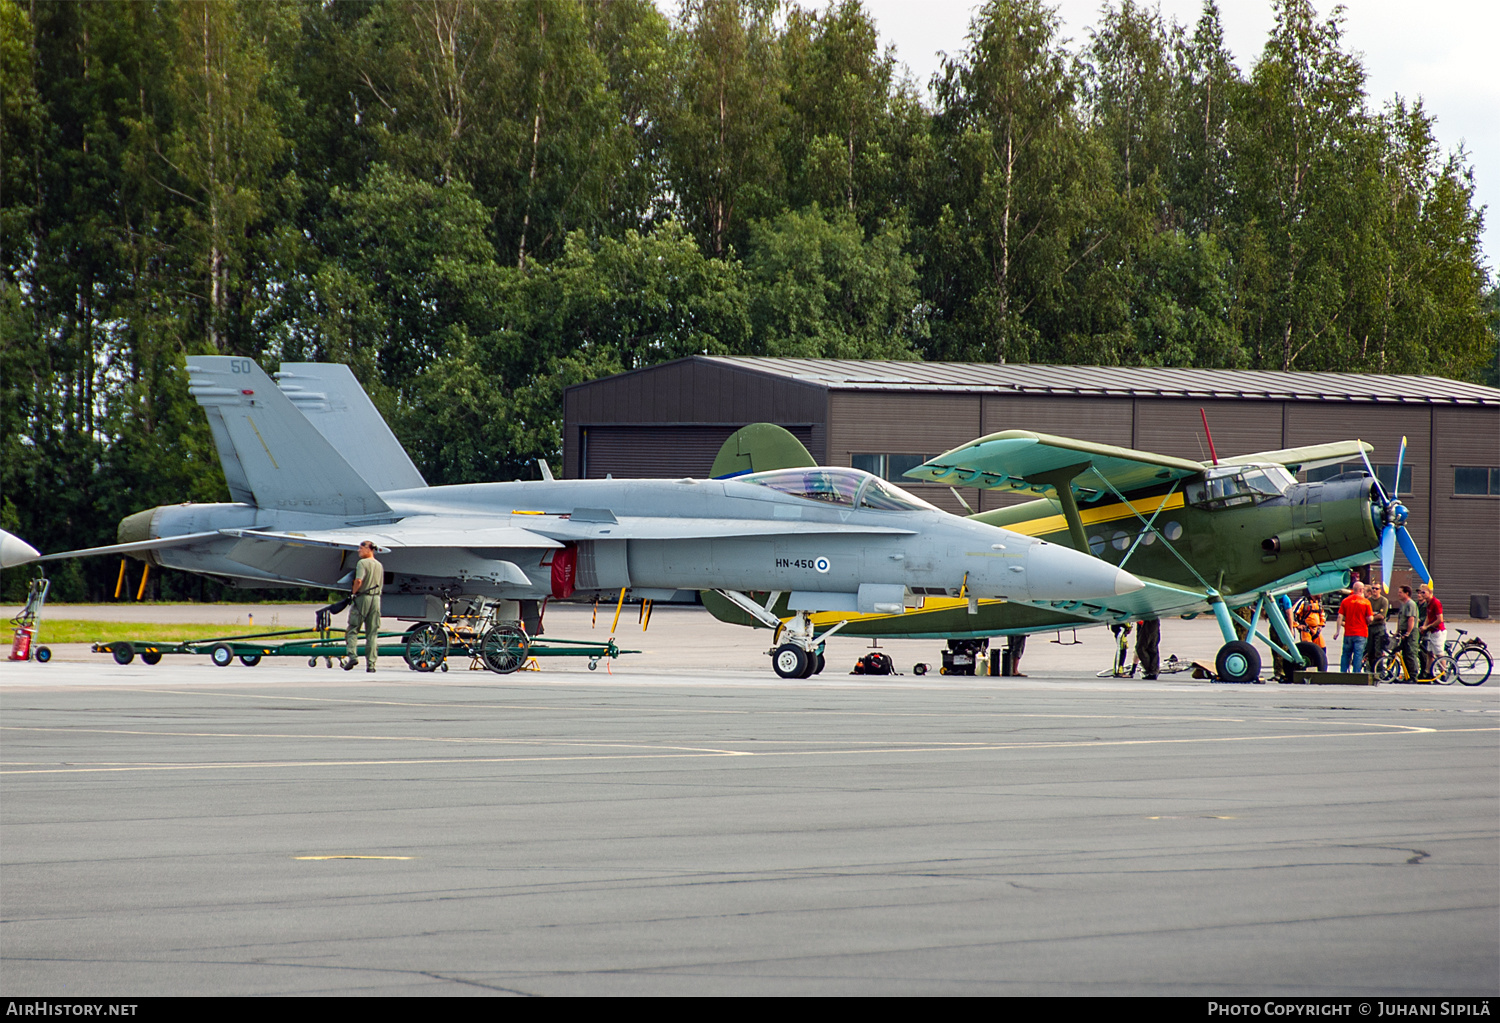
(1295, 540)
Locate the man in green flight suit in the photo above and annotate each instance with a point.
(1407, 632)
(364, 608)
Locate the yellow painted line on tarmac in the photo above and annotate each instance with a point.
(677, 754)
(154, 733)
(1193, 817)
(352, 856)
(803, 712)
(413, 762)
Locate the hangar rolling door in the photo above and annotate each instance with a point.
(658, 452)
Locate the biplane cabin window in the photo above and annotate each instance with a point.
(849, 487)
(1229, 486)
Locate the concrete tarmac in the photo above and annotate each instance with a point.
(690, 824)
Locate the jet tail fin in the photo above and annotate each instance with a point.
(757, 448)
(273, 457)
(328, 394)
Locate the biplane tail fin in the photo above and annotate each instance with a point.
(760, 447)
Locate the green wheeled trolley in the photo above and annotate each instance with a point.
(250, 650)
(474, 631)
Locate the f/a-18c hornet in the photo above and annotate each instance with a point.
(829, 540)
(1219, 536)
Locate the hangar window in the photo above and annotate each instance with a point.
(1476, 479)
(887, 467)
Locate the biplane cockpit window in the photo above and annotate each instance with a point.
(1229, 486)
(837, 485)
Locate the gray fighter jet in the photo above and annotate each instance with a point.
(314, 470)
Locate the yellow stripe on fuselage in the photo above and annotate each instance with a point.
(1058, 524)
(929, 604)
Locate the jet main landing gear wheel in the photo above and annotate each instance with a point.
(790, 661)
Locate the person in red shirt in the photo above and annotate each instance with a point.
(1434, 629)
(1354, 619)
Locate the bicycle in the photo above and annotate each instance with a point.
(470, 626)
(1471, 657)
(1392, 668)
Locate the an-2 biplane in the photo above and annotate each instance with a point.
(1218, 537)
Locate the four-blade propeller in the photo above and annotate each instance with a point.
(1393, 515)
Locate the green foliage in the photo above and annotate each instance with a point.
(477, 204)
(820, 289)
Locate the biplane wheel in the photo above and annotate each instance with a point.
(425, 647)
(1313, 655)
(123, 652)
(221, 655)
(503, 648)
(151, 656)
(1238, 661)
(250, 660)
(790, 661)
(43, 655)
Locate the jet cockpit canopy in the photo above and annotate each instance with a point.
(851, 488)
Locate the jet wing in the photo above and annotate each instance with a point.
(1310, 457)
(184, 540)
(404, 535)
(1019, 459)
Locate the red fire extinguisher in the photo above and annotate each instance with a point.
(20, 649)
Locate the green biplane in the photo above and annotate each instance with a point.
(1220, 537)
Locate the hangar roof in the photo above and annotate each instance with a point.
(1117, 381)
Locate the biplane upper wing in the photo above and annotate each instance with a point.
(1023, 460)
(1310, 457)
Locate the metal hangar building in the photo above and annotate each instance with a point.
(670, 420)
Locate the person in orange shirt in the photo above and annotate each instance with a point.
(1309, 617)
(1354, 620)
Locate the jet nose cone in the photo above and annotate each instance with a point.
(15, 551)
(1060, 573)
